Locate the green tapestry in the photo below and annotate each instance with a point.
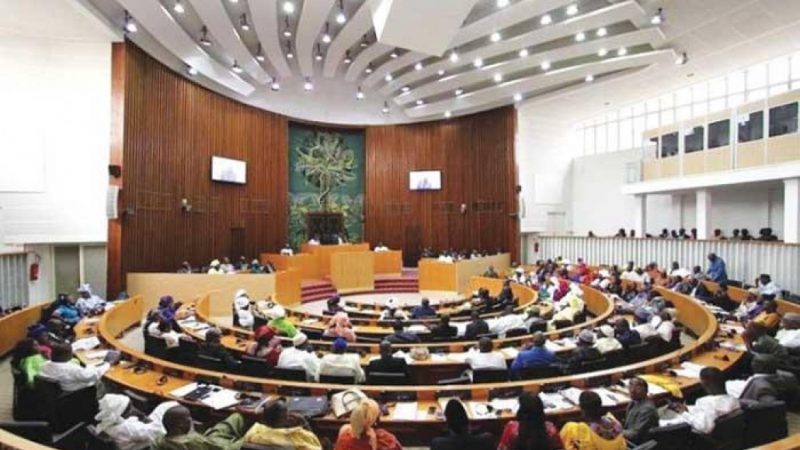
(326, 173)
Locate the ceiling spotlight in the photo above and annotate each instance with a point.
(420, 102)
(477, 63)
(658, 17)
(347, 58)
(418, 66)
(589, 78)
(178, 8)
(517, 97)
(385, 108)
(289, 53)
(318, 56)
(393, 55)
(191, 70)
(308, 85)
(369, 68)
(572, 10)
(359, 94)
(453, 57)
(340, 17)
(602, 52)
(130, 25)
(234, 1)
(545, 65)
(287, 31)
(502, 3)
(498, 77)
(458, 92)
(204, 40)
(388, 77)
(447, 114)
(602, 32)
(243, 23)
(288, 7)
(495, 37)
(681, 59)
(546, 20)
(405, 89)
(622, 51)
(326, 38)
(440, 72)
(236, 67)
(364, 43)
(580, 37)
(260, 53)
(523, 53)
(275, 86)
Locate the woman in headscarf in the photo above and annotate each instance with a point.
(361, 434)
(530, 431)
(340, 326)
(597, 431)
(128, 432)
(28, 360)
(38, 332)
(278, 321)
(66, 310)
(241, 310)
(168, 310)
(267, 346)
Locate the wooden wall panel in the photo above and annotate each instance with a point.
(476, 157)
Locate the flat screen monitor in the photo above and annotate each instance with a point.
(228, 170)
(425, 180)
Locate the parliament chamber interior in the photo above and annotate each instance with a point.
(386, 224)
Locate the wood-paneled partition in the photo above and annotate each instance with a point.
(476, 156)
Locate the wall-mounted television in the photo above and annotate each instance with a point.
(425, 180)
(228, 170)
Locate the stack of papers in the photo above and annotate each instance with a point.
(184, 390)
(405, 411)
(85, 344)
(572, 394)
(689, 370)
(309, 321)
(511, 404)
(221, 399)
(554, 402)
(733, 346)
(509, 352)
(609, 397)
(95, 355)
(652, 389)
(480, 410)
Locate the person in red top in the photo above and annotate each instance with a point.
(530, 431)
(267, 345)
(361, 433)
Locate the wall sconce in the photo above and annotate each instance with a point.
(186, 206)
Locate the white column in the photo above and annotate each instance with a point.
(791, 211)
(640, 215)
(704, 230)
(677, 212)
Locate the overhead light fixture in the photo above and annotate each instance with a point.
(236, 67)
(393, 55)
(364, 42)
(275, 85)
(287, 30)
(518, 97)
(234, 1)
(418, 66)
(498, 77)
(447, 114)
(495, 37)
(388, 77)
(340, 17)
(458, 92)
(602, 32)
(385, 108)
(191, 70)
(288, 7)
(589, 78)
(420, 102)
(359, 94)
(453, 57)
(260, 53)
(580, 37)
(326, 38)
(204, 40)
(545, 65)
(523, 53)
(130, 24)
(369, 68)
(243, 23)
(477, 63)
(440, 72)
(572, 10)
(658, 17)
(622, 51)
(318, 56)
(289, 53)
(502, 3)
(602, 52)
(178, 7)
(546, 19)
(347, 59)
(681, 59)
(308, 85)
(405, 89)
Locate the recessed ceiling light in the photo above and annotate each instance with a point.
(602, 52)
(347, 59)
(622, 51)
(287, 33)
(495, 37)
(498, 77)
(289, 54)
(388, 77)
(459, 91)
(589, 78)
(517, 97)
(420, 102)
(546, 20)
(326, 38)
(447, 114)
(580, 37)
(275, 86)
(364, 43)
(243, 23)
(359, 94)
(602, 32)
(453, 57)
(523, 53)
(658, 17)
(288, 7)
(178, 8)
(236, 67)
(681, 59)
(204, 40)
(572, 10)
(191, 70)
(340, 17)
(478, 62)
(308, 85)
(130, 25)
(405, 89)
(260, 53)
(545, 65)
(502, 3)
(369, 68)
(318, 56)
(418, 66)
(393, 55)
(440, 72)
(234, 1)
(385, 108)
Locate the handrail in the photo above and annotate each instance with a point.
(739, 295)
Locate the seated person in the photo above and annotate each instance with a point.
(392, 311)
(170, 310)
(485, 357)
(584, 351)
(41, 337)
(624, 334)
(534, 321)
(28, 359)
(531, 430)
(255, 267)
(212, 346)
(162, 328)
(703, 415)
(381, 248)
(399, 336)
(340, 363)
(278, 321)
(180, 434)
(241, 307)
(340, 327)
(769, 317)
(766, 385)
(267, 346)
(65, 369)
(58, 331)
(185, 267)
(227, 266)
(299, 356)
(606, 342)
(241, 265)
(287, 250)
(423, 310)
(721, 299)
(66, 311)
(444, 330)
(490, 273)
(751, 306)
(387, 363)
(362, 434)
(88, 303)
(643, 326)
(767, 288)
(507, 321)
(477, 326)
(459, 436)
(536, 356)
(596, 431)
(314, 240)
(215, 268)
(758, 340)
(334, 305)
(641, 414)
(129, 430)
(664, 326)
(280, 429)
(789, 334)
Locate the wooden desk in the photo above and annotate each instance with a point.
(389, 262)
(304, 262)
(454, 277)
(14, 326)
(323, 253)
(353, 271)
(739, 295)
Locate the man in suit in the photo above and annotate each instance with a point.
(767, 383)
(477, 326)
(641, 414)
(387, 363)
(444, 329)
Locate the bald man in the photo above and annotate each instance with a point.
(177, 421)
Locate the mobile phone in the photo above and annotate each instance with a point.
(431, 410)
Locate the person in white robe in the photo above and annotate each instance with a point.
(789, 334)
(298, 356)
(287, 250)
(606, 341)
(88, 303)
(703, 415)
(128, 431)
(243, 309)
(69, 373)
(215, 268)
(340, 363)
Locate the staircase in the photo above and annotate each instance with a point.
(402, 284)
(314, 290)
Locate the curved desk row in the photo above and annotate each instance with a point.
(738, 295)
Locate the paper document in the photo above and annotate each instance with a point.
(183, 391)
(221, 399)
(689, 370)
(85, 344)
(405, 411)
(511, 404)
(554, 402)
(609, 397)
(509, 352)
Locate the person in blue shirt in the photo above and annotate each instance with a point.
(536, 356)
(423, 310)
(66, 310)
(716, 271)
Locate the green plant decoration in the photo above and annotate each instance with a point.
(326, 163)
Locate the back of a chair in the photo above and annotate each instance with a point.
(649, 445)
(766, 422)
(457, 380)
(254, 367)
(36, 431)
(98, 440)
(387, 378)
(592, 365)
(288, 374)
(638, 352)
(209, 362)
(61, 409)
(337, 379)
(516, 332)
(672, 437)
(489, 375)
(532, 373)
(729, 431)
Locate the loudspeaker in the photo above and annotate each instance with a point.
(115, 170)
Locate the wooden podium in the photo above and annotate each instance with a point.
(353, 271)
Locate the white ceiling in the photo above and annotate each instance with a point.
(717, 34)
